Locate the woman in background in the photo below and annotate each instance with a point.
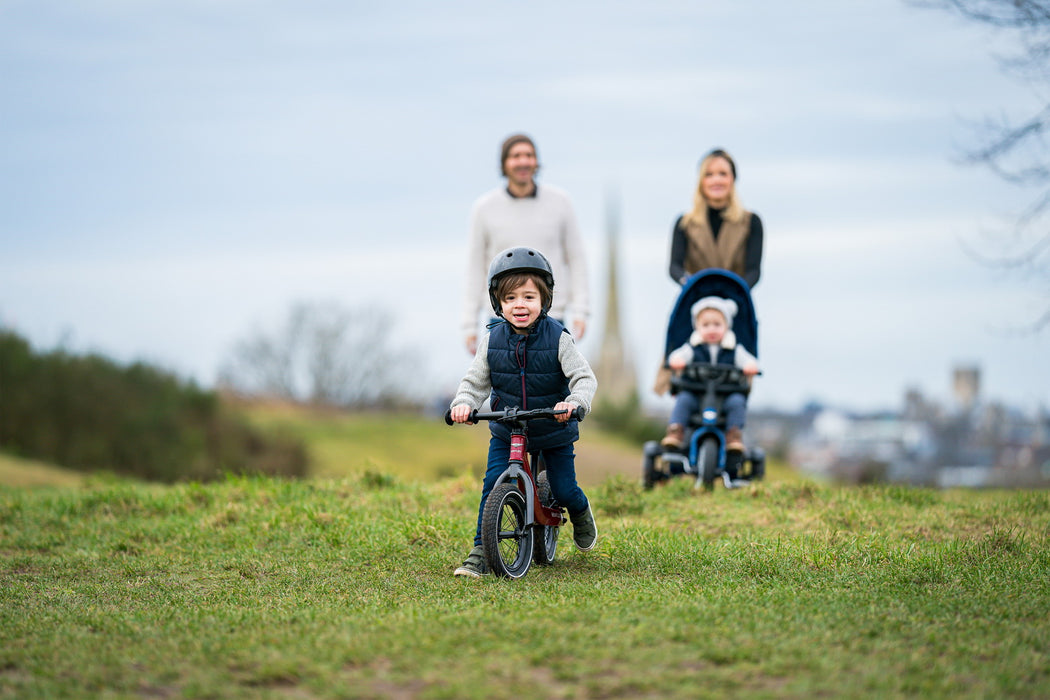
(718, 231)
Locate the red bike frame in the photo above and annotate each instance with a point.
(518, 455)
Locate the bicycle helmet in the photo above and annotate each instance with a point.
(519, 260)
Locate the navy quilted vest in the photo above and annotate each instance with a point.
(526, 373)
(703, 356)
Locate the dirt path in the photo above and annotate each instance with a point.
(596, 460)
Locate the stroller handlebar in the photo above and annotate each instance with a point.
(701, 376)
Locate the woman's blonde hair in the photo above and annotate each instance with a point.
(734, 210)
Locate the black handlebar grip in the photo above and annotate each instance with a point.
(574, 414)
(449, 421)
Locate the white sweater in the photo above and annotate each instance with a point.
(546, 223)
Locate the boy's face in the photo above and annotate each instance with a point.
(712, 326)
(522, 305)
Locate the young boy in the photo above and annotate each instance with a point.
(529, 360)
(712, 341)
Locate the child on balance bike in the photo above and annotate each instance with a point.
(529, 360)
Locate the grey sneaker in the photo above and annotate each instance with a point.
(584, 531)
(474, 566)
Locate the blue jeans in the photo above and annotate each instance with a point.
(687, 404)
(561, 474)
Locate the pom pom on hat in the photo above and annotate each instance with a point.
(727, 307)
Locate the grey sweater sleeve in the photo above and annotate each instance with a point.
(582, 382)
(477, 384)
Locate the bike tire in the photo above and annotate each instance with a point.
(545, 537)
(707, 461)
(505, 533)
(654, 470)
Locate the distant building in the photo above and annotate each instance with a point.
(879, 447)
(975, 445)
(966, 387)
(615, 368)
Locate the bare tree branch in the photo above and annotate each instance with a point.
(326, 354)
(1017, 152)
(1007, 141)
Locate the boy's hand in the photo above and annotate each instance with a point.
(750, 369)
(568, 408)
(460, 413)
(676, 362)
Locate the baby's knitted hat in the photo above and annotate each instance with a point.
(727, 307)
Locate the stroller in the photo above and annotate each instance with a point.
(704, 452)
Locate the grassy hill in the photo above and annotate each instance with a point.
(408, 446)
(340, 586)
(15, 471)
(412, 446)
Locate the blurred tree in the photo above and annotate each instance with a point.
(325, 354)
(89, 413)
(1017, 151)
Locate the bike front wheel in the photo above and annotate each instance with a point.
(505, 533)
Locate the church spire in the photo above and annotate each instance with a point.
(615, 370)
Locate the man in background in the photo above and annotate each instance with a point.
(525, 213)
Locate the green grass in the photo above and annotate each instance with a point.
(342, 588)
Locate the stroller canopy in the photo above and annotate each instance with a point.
(719, 283)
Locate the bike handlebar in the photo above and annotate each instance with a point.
(514, 415)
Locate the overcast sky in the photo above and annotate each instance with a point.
(177, 174)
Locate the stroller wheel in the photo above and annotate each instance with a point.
(734, 463)
(757, 457)
(651, 474)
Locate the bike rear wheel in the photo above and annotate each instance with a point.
(545, 536)
(505, 533)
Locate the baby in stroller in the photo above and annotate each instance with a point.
(712, 342)
(711, 350)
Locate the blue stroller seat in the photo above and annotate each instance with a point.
(706, 455)
(719, 283)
